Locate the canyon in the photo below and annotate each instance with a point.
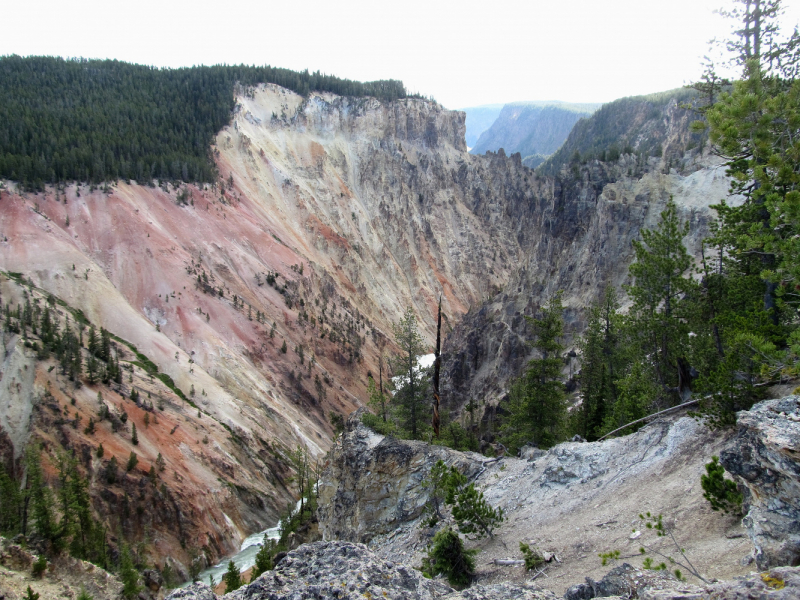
(268, 297)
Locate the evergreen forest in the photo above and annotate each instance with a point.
(101, 120)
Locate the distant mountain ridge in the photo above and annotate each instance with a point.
(635, 124)
(479, 119)
(534, 129)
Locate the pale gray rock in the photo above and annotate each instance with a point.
(347, 571)
(624, 581)
(504, 591)
(373, 484)
(782, 583)
(765, 459)
(196, 591)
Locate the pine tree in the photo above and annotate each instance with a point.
(750, 293)
(471, 512)
(134, 437)
(263, 560)
(111, 470)
(133, 460)
(601, 366)
(721, 493)
(41, 497)
(10, 504)
(411, 397)
(448, 556)
(93, 343)
(537, 403)
(232, 578)
(660, 313)
(128, 574)
(436, 485)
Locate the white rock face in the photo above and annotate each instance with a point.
(17, 392)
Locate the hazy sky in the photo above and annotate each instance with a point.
(464, 53)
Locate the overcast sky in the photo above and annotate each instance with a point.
(463, 53)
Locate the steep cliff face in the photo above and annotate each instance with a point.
(578, 239)
(374, 484)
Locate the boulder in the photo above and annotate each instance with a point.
(765, 460)
(781, 583)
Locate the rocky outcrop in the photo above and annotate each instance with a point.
(780, 583)
(347, 571)
(576, 500)
(765, 459)
(372, 483)
(64, 577)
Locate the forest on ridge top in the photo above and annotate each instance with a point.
(101, 120)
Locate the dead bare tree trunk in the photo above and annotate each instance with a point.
(436, 366)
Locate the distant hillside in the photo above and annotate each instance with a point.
(479, 119)
(532, 128)
(637, 124)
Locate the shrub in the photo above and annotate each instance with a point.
(84, 595)
(378, 425)
(448, 556)
(531, 555)
(40, 566)
(720, 492)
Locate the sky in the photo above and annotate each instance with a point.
(463, 53)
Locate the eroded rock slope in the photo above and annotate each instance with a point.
(271, 293)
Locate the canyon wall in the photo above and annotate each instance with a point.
(268, 296)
